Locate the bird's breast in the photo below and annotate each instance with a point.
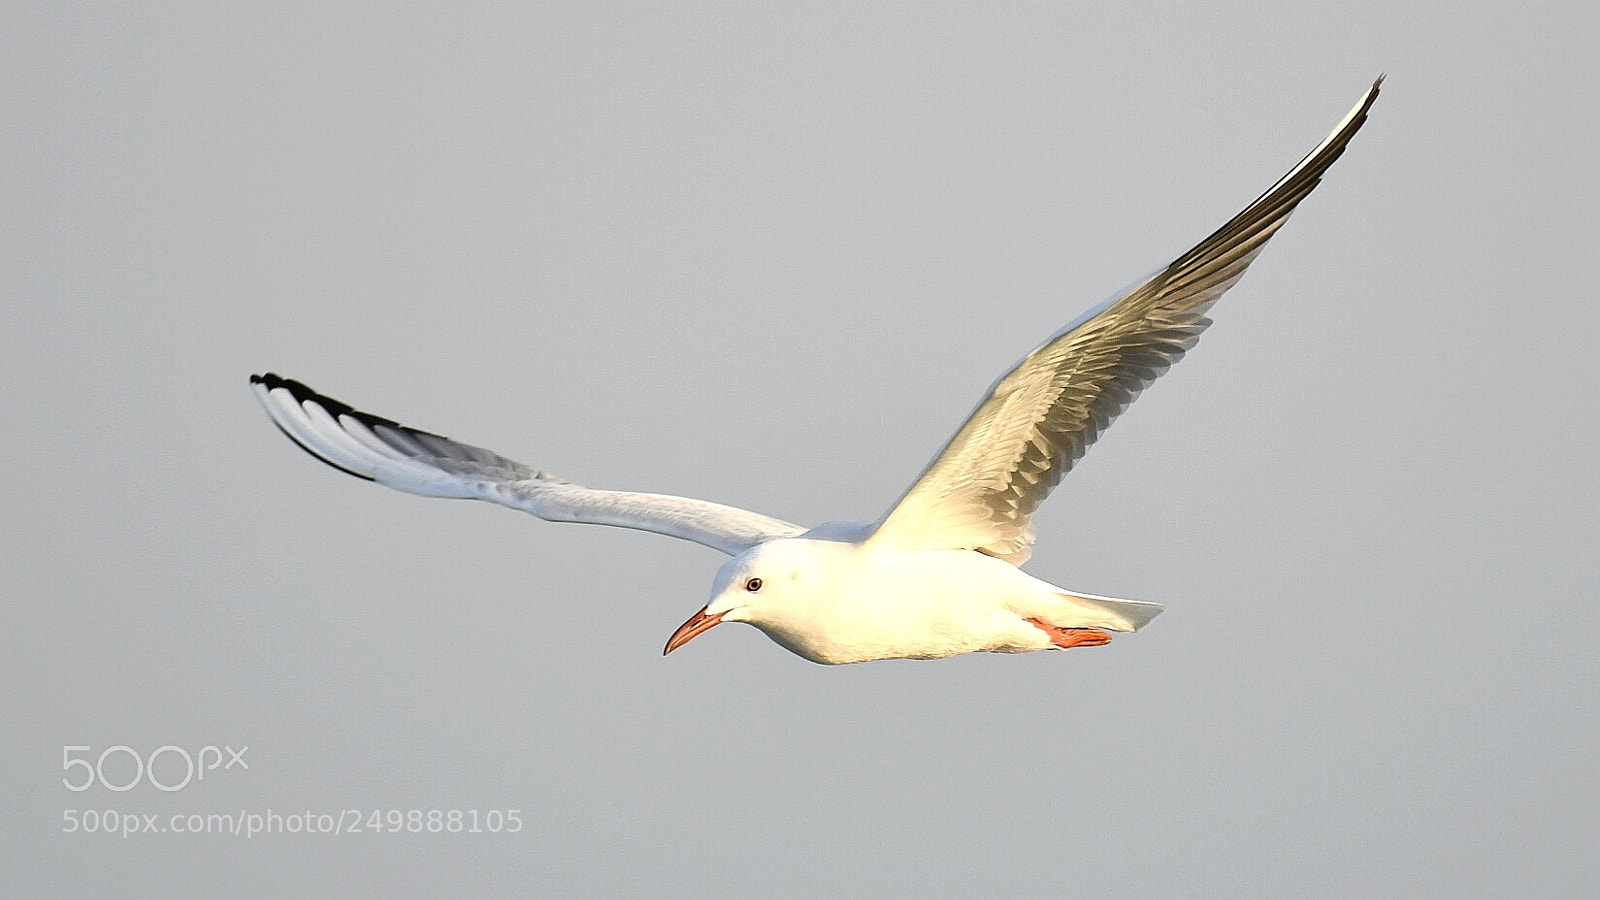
(911, 604)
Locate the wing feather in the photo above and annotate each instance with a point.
(418, 462)
(980, 491)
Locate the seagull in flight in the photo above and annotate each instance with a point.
(940, 573)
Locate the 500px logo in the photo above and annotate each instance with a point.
(206, 759)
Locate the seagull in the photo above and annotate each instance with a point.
(939, 574)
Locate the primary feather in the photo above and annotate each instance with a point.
(980, 491)
(418, 462)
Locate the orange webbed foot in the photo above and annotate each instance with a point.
(1071, 637)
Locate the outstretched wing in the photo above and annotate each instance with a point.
(981, 490)
(417, 462)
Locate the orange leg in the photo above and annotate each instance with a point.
(1071, 637)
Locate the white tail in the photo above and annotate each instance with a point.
(1121, 615)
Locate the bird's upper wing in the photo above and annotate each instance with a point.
(417, 462)
(981, 490)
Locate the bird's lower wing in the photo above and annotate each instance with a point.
(981, 490)
(429, 465)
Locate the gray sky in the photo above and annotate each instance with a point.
(772, 257)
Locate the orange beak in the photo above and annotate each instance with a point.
(686, 632)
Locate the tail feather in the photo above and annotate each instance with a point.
(1121, 615)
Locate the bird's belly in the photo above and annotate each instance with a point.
(921, 611)
(912, 639)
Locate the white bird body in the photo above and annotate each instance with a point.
(842, 602)
(938, 574)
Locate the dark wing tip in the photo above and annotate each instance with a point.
(1277, 202)
(303, 393)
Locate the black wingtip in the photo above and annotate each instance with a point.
(301, 394)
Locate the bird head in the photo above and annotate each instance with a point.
(760, 586)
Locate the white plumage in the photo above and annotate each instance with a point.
(937, 575)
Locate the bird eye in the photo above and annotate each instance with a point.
(753, 585)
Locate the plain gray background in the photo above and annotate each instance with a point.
(771, 256)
